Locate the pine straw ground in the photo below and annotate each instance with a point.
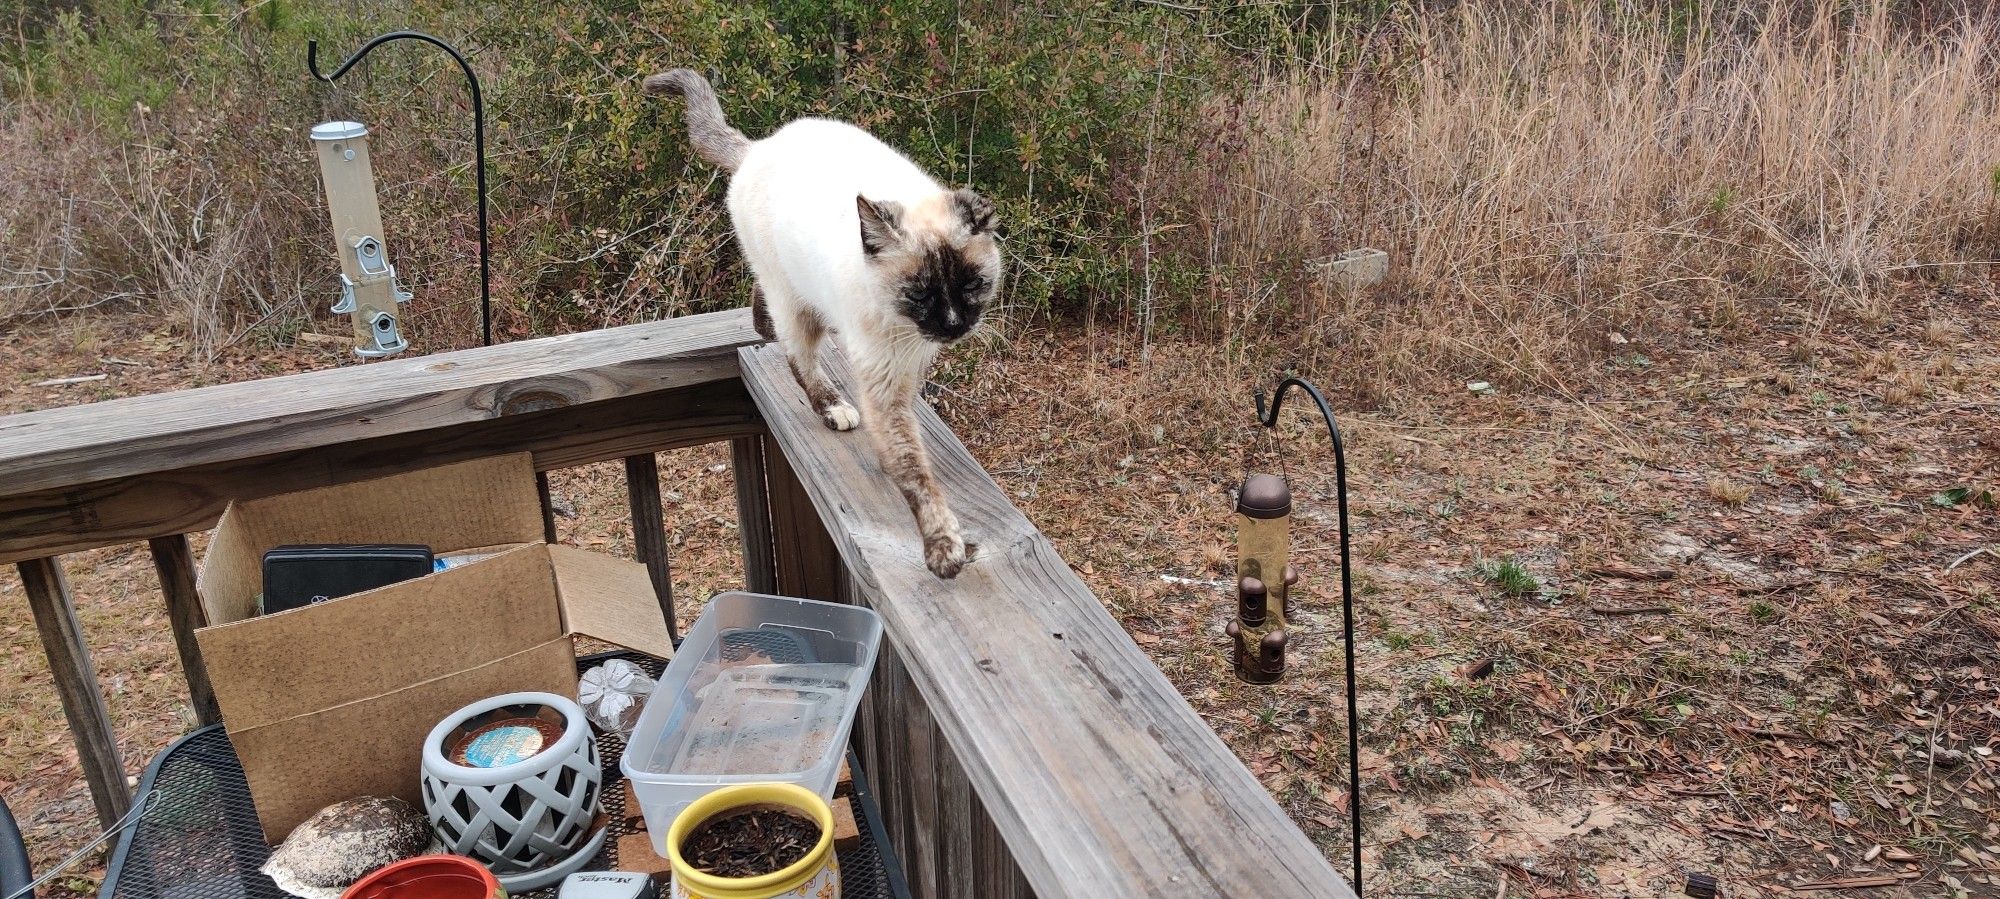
(1738, 611)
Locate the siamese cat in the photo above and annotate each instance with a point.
(847, 236)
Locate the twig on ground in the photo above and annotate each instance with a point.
(61, 382)
(1633, 572)
(1629, 610)
(1850, 883)
(1987, 550)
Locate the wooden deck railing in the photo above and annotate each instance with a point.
(1021, 744)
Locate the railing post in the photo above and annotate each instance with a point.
(649, 531)
(548, 508)
(76, 682)
(174, 561)
(806, 562)
(753, 514)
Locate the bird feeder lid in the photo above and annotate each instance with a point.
(1264, 496)
(339, 131)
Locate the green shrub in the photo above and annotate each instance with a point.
(599, 214)
(1041, 108)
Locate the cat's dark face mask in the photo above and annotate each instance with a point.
(943, 282)
(945, 296)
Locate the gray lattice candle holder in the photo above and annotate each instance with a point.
(514, 781)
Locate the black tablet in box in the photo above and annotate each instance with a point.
(296, 576)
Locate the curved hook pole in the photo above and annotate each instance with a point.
(478, 147)
(1269, 418)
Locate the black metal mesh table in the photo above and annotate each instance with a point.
(198, 836)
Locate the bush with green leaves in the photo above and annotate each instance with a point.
(1046, 108)
(600, 214)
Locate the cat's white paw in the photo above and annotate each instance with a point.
(841, 417)
(946, 554)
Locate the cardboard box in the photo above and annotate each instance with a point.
(334, 700)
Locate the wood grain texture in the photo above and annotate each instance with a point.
(76, 682)
(649, 531)
(131, 509)
(920, 802)
(753, 514)
(1098, 776)
(944, 838)
(173, 559)
(232, 422)
(803, 555)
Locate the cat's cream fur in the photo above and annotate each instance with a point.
(847, 236)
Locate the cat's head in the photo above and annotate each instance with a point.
(938, 259)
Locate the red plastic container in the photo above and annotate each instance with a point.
(429, 877)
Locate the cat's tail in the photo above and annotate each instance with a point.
(708, 129)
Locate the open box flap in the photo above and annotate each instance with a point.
(483, 502)
(374, 746)
(275, 667)
(610, 599)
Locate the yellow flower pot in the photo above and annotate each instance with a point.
(817, 876)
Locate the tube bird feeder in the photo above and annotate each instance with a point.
(1264, 507)
(369, 293)
(1264, 578)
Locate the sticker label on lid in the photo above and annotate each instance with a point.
(502, 746)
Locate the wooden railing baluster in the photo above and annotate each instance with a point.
(76, 682)
(649, 531)
(548, 507)
(753, 514)
(806, 563)
(174, 560)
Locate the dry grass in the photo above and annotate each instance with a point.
(171, 218)
(1680, 684)
(1550, 179)
(207, 211)
(1544, 175)
(1728, 492)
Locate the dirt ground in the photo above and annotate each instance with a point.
(1738, 595)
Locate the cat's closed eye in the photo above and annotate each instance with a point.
(973, 285)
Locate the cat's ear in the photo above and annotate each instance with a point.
(881, 224)
(977, 211)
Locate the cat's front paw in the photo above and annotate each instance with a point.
(946, 554)
(840, 417)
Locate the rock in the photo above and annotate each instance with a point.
(343, 842)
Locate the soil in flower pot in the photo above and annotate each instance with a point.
(757, 841)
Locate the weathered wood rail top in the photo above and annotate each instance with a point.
(147, 434)
(95, 475)
(1021, 744)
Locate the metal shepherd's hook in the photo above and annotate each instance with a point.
(478, 147)
(1269, 418)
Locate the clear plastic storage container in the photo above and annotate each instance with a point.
(763, 690)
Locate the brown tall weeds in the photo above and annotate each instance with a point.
(1545, 176)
